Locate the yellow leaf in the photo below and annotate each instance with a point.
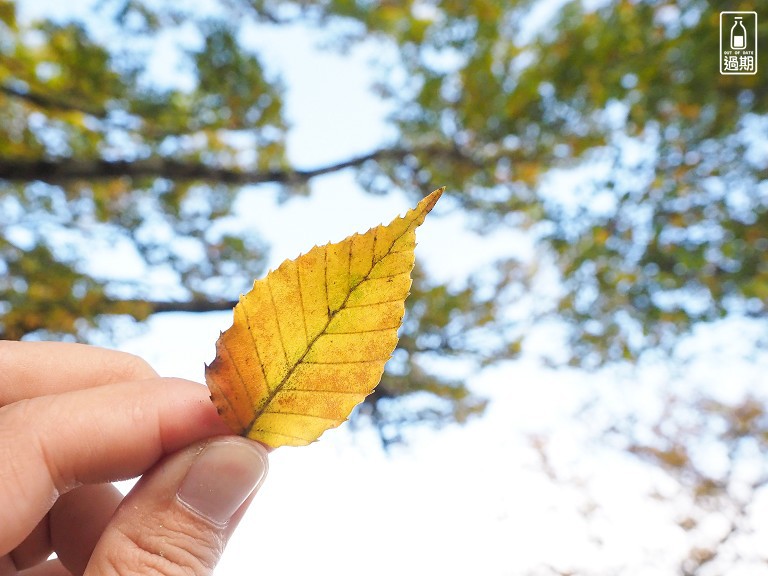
(309, 341)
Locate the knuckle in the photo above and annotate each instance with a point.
(159, 547)
(22, 449)
(126, 366)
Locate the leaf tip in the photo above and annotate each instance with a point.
(433, 197)
(428, 202)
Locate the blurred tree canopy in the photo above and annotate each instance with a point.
(605, 131)
(602, 129)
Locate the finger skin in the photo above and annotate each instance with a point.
(50, 568)
(29, 369)
(51, 444)
(78, 520)
(35, 548)
(153, 532)
(71, 529)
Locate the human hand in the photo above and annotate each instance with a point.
(73, 418)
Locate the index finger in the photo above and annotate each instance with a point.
(54, 443)
(30, 369)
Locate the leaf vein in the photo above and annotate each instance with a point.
(303, 309)
(277, 321)
(252, 332)
(331, 391)
(325, 281)
(340, 362)
(394, 275)
(300, 414)
(353, 332)
(349, 263)
(373, 303)
(284, 435)
(373, 251)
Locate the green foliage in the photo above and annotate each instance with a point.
(671, 229)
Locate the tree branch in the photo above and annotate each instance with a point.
(72, 169)
(65, 170)
(45, 101)
(138, 309)
(199, 305)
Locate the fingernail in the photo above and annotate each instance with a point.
(221, 478)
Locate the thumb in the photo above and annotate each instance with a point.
(179, 516)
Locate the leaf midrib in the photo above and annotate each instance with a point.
(277, 389)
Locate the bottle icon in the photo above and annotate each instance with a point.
(738, 35)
